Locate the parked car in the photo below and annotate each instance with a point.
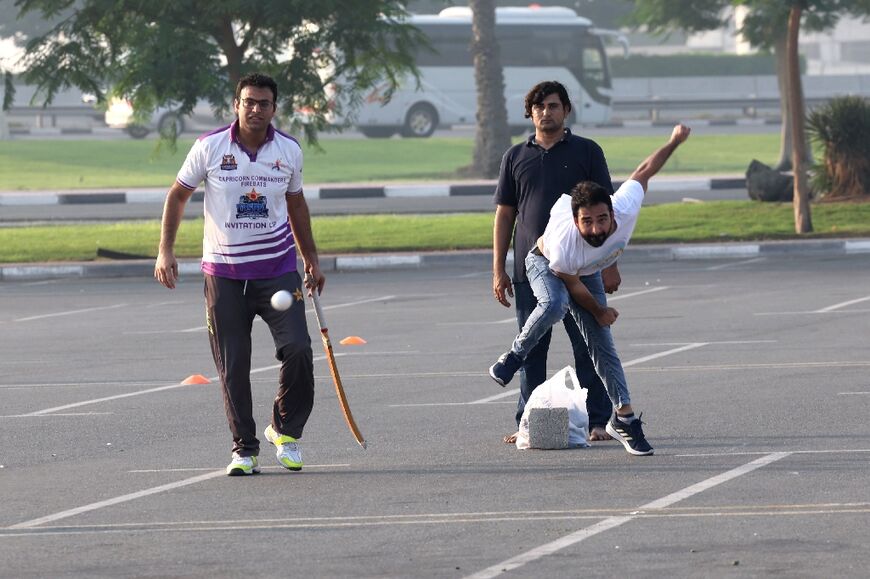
(119, 115)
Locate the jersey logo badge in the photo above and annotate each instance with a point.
(252, 206)
(276, 166)
(228, 163)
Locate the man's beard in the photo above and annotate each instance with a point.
(551, 128)
(595, 240)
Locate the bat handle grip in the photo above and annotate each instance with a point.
(318, 310)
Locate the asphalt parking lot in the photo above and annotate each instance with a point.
(751, 374)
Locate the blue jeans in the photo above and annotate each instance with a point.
(534, 369)
(553, 304)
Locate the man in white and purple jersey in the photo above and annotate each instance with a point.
(256, 219)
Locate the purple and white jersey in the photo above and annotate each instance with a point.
(247, 234)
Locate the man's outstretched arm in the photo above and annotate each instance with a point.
(653, 164)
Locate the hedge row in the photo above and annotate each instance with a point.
(695, 64)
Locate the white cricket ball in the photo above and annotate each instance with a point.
(282, 300)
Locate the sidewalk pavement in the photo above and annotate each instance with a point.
(345, 191)
(480, 260)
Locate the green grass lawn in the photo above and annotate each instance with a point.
(683, 223)
(89, 164)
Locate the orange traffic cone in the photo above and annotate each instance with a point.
(196, 379)
(352, 341)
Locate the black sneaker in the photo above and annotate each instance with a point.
(503, 370)
(630, 435)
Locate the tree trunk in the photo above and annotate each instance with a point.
(225, 39)
(801, 202)
(780, 52)
(785, 147)
(492, 138)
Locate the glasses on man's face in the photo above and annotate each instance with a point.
(251, 103)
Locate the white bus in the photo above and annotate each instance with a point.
(535, 44)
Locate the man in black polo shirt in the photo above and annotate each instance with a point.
(533, 175)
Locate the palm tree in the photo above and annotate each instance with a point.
(842, 128)
(492, 138)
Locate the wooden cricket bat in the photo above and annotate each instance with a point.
(333, 369)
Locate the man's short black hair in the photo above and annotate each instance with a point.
(258, 80)
(585, 194)
(544, 89)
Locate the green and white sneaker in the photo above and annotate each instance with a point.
(243, 465)
(288, 452)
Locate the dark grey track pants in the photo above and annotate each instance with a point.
(231, 306)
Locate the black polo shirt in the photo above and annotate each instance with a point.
(532, 178)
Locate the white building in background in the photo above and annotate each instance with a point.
(845, 49)
(9, 55)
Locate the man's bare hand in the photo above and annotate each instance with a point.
(611, 278)
(166, 269)
(606, 317)
(680, 134)
(501, 286)
(314, 279)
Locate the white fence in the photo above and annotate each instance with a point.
(717, 95)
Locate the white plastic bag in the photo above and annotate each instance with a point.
(562, 390)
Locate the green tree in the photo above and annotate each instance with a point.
(492, 138)
(772, 25)
(175, 53)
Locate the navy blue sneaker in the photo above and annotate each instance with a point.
(503, 370)
(630, 435)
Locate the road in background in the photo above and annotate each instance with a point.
(101, 212)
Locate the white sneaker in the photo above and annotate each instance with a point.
(288, 452)
(242, 465)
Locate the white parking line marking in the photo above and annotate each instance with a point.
(68, 313)
(736, 263)
(711, 342)
(139, 393)
(424, 404)
(167, 303)
(112, 384)
(516, 391)
(499, 396)
(281, 468)
(121, 499)
(828, 310)
(57, 414)
(665, 353)
(638, 293)
(200, 526)
(763, 452)
(356, 303)
(117, 500)
(308, 311)
(841, 305)
(754, 366)
(613, 522)
(846, 312)
(514, 320)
